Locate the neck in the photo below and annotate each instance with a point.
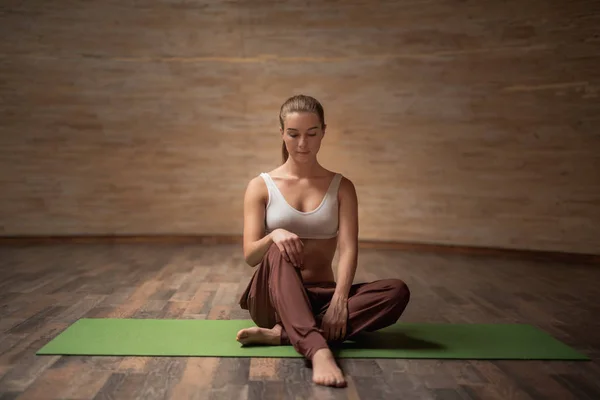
(301, 170)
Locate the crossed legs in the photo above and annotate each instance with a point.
(288, 312)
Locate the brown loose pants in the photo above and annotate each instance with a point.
(276, 294)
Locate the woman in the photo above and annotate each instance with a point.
(294, 219)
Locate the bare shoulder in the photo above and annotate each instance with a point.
(257, 188)
(347, 189)
(348, 217)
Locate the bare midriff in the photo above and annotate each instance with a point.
(318, 259)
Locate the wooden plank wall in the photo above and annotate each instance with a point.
(461, 122)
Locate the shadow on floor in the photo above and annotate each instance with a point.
(387, 340)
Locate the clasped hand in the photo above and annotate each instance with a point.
(335, 320)
(291, 247)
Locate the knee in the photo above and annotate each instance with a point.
(273, 251)
(275, 255)
(399, 293)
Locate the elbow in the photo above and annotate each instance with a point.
(249, 260)
(247, 253)
(252, 259)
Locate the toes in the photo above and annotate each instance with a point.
(320, 380)
(329, 380)
(242, 336)
(338, 380)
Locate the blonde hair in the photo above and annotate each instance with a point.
(299, 103)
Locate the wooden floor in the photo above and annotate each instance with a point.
(44, 289)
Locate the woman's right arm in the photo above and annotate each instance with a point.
(256, 243)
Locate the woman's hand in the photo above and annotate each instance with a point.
(291, 247)
(335, 320)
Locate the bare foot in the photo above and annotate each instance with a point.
(256, 335)
(325, 370)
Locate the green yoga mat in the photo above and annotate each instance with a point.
(216, 338)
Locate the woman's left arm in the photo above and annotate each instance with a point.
(347, 240)
(335, 319)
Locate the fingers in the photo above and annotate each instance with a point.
(338, 332)
(330, 335)
(328, 332)
(284, 252)
(291, 251)
(290, 246)
(300, 252)
(294, 253)
(334, 332)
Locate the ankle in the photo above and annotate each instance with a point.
(322, 353)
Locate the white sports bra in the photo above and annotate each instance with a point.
(321, 223)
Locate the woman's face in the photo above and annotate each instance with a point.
(302, 134)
